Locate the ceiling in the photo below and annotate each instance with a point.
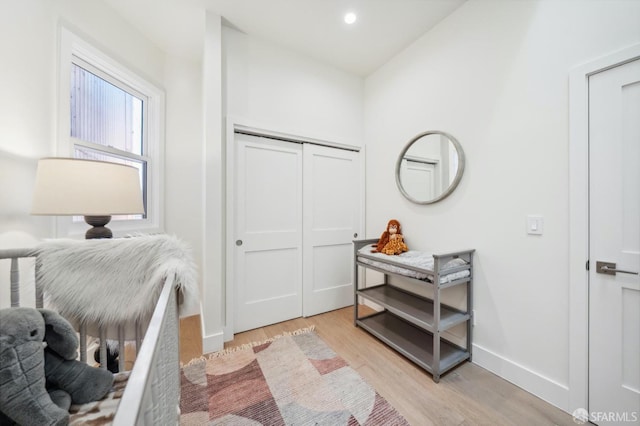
(313, 27)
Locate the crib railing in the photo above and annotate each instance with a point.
(14, 274)
(152, 394)
(15, 255)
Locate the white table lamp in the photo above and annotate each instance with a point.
(93, 189)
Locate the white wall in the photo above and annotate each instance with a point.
(184, 168)
(494, 74)
(213, 298)
(276, 89)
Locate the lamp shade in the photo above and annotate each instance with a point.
(67, 186)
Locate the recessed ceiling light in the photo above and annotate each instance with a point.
(350, 18)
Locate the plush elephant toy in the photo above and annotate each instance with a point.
(39, 374)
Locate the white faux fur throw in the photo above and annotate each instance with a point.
(117, 281)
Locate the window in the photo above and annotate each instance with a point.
(109, 113)
(107, 122)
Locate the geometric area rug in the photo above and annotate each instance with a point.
(292, 379)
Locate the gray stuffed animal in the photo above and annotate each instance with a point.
(38, 384)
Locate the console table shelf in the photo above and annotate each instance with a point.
(413, 342)
(412, 324)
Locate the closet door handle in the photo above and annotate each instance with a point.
(355, 235)
(609, 268)
(238, 243)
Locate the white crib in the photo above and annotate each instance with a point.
(152, 393)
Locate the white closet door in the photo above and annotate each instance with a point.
(332, 216)
(268, 257)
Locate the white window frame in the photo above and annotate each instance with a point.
(72, 46)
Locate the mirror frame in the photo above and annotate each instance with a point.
(456, 179)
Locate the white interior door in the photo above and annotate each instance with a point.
(419, 178)
(332, 212)
(268, 257)
(614, 216)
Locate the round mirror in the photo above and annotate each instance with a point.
(429, 167)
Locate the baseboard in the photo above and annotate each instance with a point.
(213, 342)
(544, 388)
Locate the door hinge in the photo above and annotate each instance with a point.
(587, 265)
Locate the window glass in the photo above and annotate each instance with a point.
(106, 124)
(105, 114)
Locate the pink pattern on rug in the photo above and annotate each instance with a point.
(193, 396)
(325, 366)
(225, 389)
(259, 348)
(380, 414)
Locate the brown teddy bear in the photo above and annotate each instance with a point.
(391, 241)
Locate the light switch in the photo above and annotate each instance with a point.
(534, 225)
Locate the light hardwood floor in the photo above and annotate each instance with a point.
(467, 395)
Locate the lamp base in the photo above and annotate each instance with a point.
(99, 229)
